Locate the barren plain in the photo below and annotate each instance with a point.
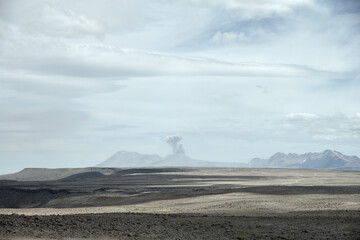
(184, 203)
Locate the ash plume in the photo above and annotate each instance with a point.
(180, 149)
(173, 141)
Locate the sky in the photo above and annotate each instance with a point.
(237, 79)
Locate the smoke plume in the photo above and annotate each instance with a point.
(173, 141)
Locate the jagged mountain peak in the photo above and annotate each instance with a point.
(329, 152)
(279, 154)
(328, 159)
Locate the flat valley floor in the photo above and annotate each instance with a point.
(185, 203)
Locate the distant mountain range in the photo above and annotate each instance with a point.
(148, 162)
(327, 159)
(178, 159)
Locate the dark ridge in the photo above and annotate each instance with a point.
(149, 170)
(89, 175)
(7, 181)
(19, 198)
(85, 175)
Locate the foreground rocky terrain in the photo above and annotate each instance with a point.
(304, 225)
(183, 203)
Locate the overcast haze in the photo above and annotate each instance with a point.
(236, 79)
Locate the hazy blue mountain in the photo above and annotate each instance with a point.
(178, 159)
(182, 160)
(130, 159)
(325, 160)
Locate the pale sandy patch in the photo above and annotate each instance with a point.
(231, 203)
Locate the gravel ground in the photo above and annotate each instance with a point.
(299, 225)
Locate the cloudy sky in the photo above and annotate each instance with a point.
(80, 80)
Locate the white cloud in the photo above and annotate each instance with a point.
(325, 127)
(256, 9)
(3, 28)
(101, 60)
(228, 37)
(302, 116)
(56, 21)
(55, 86)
